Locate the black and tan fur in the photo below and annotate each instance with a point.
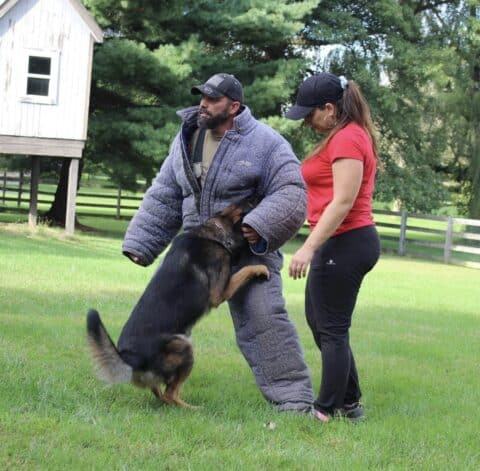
(154, 348)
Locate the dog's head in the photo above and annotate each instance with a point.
(226, 226)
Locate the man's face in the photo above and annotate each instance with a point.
(215, 112)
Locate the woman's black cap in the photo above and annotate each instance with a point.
(314, 92)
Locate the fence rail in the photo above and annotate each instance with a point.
(447, 239)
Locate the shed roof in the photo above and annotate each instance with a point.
(96, 31)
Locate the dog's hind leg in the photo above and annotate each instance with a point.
(172, 392)
(172, 397)
(167, 399)
(238, 279)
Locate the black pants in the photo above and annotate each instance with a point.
(335, 276)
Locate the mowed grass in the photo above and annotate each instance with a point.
(416, 336)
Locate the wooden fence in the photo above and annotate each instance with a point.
(444, 238)
(447, 239)
(15, 190)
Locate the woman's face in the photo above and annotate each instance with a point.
(322, 119)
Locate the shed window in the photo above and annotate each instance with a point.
(37, 86)
(38, 80)
(39, 65)
(41, 77)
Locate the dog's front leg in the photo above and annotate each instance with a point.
(238, 279)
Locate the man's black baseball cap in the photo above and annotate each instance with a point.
(314, 92)
(221, 85)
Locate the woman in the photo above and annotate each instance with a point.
(343, 244)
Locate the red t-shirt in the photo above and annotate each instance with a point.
(351, 142)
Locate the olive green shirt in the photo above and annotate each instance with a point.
(210, 146)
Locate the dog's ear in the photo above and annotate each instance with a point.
(236, 212)
(233, 212)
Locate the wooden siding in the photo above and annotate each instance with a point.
(46, 25)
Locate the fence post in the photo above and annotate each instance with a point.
(447, 251)
(119, 202)
(403, 233)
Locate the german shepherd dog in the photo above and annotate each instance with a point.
(154, 348)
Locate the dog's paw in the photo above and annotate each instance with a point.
(262, 271)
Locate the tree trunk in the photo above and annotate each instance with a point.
(55, 216)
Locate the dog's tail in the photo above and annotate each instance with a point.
(111, 368)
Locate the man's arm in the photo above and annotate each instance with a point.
(157, 220)
(282, 211)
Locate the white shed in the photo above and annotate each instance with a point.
(46, 49)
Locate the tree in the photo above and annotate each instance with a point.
(387, 49)
(459, 93)
(155, 52)
(143, 73)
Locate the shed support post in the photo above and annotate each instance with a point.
(20, 186)
(34, 177)
(4, 184)
(71, 196)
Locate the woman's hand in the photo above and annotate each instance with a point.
(300, 262)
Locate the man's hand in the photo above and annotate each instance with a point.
(136, 259)
(250, 234)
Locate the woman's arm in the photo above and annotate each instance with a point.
(347, 178)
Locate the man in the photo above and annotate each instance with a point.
(221, 156)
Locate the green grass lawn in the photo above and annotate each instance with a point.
(416, 334)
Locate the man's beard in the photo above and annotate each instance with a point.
(212, 121)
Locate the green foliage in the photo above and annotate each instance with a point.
(14, 162)
(302, 137)
(154, 54)
(385, 47)
(127, 143)
(460, 96)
